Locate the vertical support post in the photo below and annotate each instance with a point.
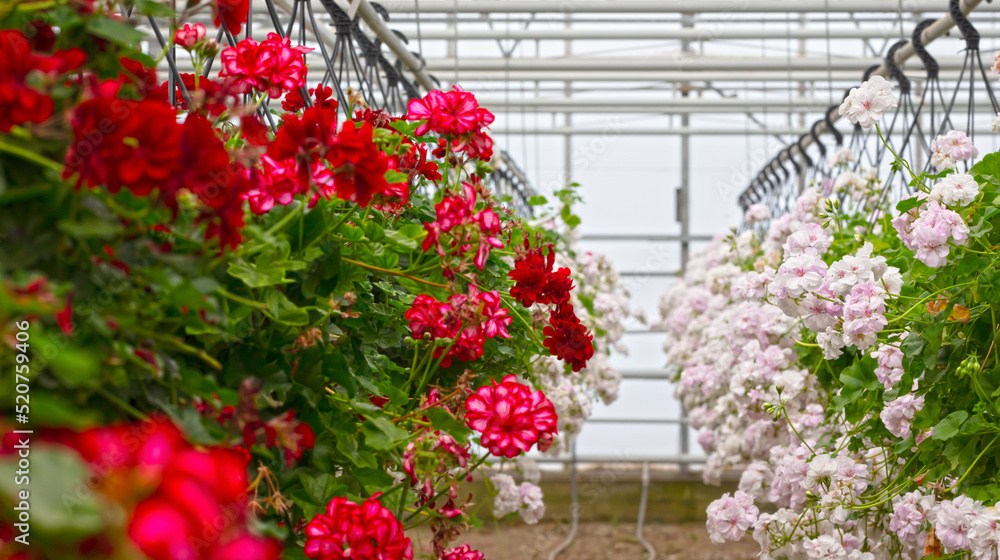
(568, 117)
(687, 21)
(683, 207)
(452, 48)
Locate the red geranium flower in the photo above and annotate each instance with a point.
(118, 144)
(307, 137)
(278, 185)
(231, 12)
(531, 276)
(375, 117)
(535, 282)
(469, 319)
(204, 161)
(558, 285)
(293, 101)
(140, 76)
(430, 316)
(184, 492)
(567, 339)
(207, 94)
(359, 165)
(368, 531)
(20, 103)
(65, 316)
(414, 162)
(511, 417)
(458, 118)
(396, 195)
(225, 217)
(273, 66)
(448, 113)
(458, 229)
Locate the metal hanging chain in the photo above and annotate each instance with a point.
(972, 62)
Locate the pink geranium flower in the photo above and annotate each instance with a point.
(511, 417)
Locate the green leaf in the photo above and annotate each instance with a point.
(335, 368)
(73, 366)
(949, 427)
(393, 176)
(115, 31)
(442, 420)
(153, 8)
(381, 434)
(322, 487)
(50, 409)
(284, 311)
(373, 478)
(91, 228)
(401, 240)
(373, 231)
(989, 165)
(268, 270)
(351, 233)
(908, 204)
(537, 200)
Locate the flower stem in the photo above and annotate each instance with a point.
(117, 401)
(240, 299)
(393, 273)
(31, 156)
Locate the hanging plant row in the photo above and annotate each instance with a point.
(228, 343)
(845, 358)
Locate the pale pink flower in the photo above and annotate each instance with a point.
(866, 105)
(898, 414)
(729, 518)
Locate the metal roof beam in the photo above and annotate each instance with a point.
(679, 34)
(612, 129)
(668, 6)
(678, 62)
(635, 104)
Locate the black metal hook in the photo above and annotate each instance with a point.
(930, 63)
(829, 124)
(802, 150)
(380, 9)
(784, 170)
(815, 137)
(894, 71)
(788, 154)
(868, 73)
(969, 32)
(764, 179)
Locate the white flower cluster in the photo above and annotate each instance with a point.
(841, 157)
(602, 303)
(733, 355)
(526, 499)
(863, 187)
(950, 148)
(930, 227)
(865, 105)
(733, 320)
